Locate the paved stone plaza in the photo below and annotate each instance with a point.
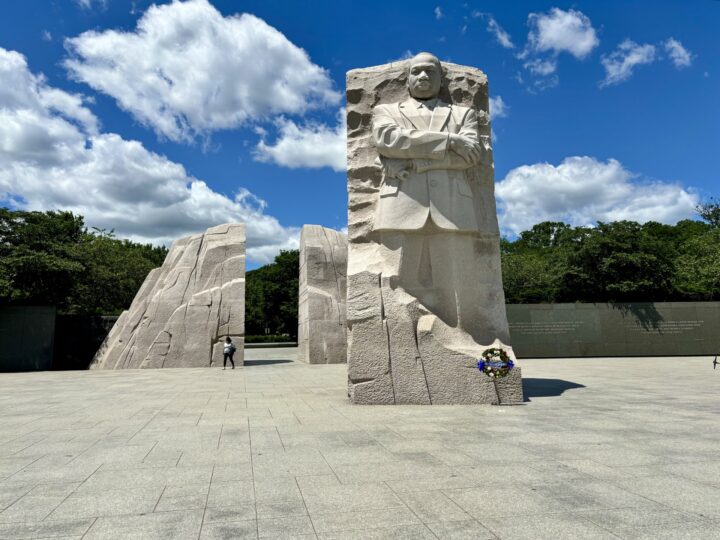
(616, 448)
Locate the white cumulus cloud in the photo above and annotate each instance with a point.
(619, 64)
(53, 156)
(552, 33)
(310, 146)
(498, 107)
(679, 55)
(186, 70)
(502, 37)
(582, 191)
(87, 4)
(560, 31)
(541, 66)
(438, 13)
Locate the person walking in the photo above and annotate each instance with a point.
(228, 352)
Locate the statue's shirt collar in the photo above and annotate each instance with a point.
(429, 104)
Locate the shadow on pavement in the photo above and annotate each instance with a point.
(546, 387)
(266, 362)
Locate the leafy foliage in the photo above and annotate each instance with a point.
(618, 262)
(115, 271)
(622, 261)
(697, 267)
(534, 265)
(710, 212)
(271, 296)
(50, 258)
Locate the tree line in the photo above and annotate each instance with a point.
(622, 261)
(51, 258)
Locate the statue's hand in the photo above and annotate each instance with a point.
(465, 147)
(395, 168)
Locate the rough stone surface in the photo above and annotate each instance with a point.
(322, 328)
(425, 294)
(184, 308)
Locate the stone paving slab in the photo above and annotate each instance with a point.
(602, 448)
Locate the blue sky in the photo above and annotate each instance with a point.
(162, 121)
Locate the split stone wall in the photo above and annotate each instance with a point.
(185, 308)
(322, 323)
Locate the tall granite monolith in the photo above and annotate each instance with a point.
(424, 283)
(322, 327)
(185, 308)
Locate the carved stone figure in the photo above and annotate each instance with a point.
(425, 146)
(425, 293)
(186, 308)
(321, 306)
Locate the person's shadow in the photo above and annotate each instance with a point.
(546, 387)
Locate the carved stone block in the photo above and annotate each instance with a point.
(322, 330)
(425, 294)
(184, 308)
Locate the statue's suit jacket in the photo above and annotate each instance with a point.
(437, 186)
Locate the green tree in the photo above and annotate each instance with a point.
(50, 258)
(529, 278)
(39, 256)
(534, 265)
(114, 271)
(673, 236)
(710, 212)
(697, 275)
(546, 235)
(619, 262)
(271, 296)
(255, 305)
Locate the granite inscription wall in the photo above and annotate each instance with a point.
(637, 329)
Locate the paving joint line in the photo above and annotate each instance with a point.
(207, 498)
(330, 467)
(88, 529)
(280, 437)
(305, 505)
(72, 493)
(23, 468)
(151, 418)
(252, 474)
(411, 510)
(149, 452)
(160, 497)
(472, 517)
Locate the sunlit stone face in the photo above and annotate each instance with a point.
(424, 77)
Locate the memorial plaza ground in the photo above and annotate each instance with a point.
(602, 448)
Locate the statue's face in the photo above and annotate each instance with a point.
(424, 79)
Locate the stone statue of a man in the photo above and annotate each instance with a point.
(424, 284)
(425, 211)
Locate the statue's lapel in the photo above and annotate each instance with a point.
(412, 113)
(441, 112)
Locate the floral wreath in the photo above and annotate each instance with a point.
(495, 363)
